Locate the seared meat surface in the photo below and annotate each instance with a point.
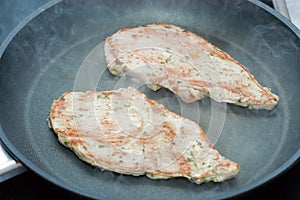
(125, 132)
(164, 55)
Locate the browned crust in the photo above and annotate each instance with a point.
(213, 50)
(184, 165)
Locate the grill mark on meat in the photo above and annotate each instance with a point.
(166, 146)
(175, 54)
(168, 131)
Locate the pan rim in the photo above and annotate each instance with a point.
(24, 160)
(44, 174)
(276, 14)
(24, 22)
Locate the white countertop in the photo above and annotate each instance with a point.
(290, 9)
(293, 7)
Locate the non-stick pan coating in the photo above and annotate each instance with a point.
(42, 61)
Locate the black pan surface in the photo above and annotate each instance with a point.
(43, 60)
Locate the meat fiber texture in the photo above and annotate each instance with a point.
(164, 55)
(125, 132)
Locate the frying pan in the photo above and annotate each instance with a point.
(41, 59)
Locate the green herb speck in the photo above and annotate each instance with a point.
(214, 178)
(115, 71)
(127, 105)
(239, 100)
(106, 96)
(168, 59)
(193, 159)
(125, 69)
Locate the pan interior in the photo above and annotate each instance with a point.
(43, 59)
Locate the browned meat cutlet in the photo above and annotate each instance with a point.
(125, 132)
(164, 55)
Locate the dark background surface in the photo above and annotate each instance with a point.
(30, 186)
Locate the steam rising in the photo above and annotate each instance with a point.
(259, 141)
